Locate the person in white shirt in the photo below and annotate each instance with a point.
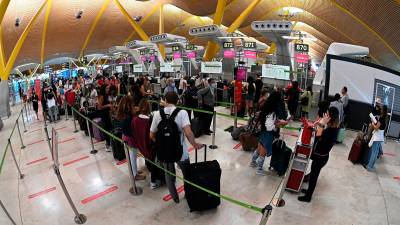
(270, 123)
(183, 85)
(51, 106)
(183, 123)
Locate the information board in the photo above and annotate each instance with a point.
(190, 47)
(211, 67)
(166, 68)
(138, 68)
(279, 72)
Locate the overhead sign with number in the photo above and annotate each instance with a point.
(190, 47)
(142, 52)
(227, 44)
(301, 47)
(250, 45)
(175, 48)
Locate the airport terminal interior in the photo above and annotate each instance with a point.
(239, 112)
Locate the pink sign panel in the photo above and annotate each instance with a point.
(143, 58)
(191, 55)
(301, 58)
(153, 58)
(250, 54)
(177, 55)
(229, 54)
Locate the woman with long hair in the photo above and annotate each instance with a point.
(250, 94)
(378, 137)
(293, 95)
(104, 107)
(306, 100)
(125, 113)
(269, 124)
(327, 131)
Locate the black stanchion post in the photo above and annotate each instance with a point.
(79, 218)
(134, 190)
(266, 213)
(7, 213)
(21, 175)
(23, 121)
(213, 146)
(280, 202)
(20, 136)
(73, 116)
(26, 113)
(94, 151)
(235, 113)
(46, 131)
(66, 111)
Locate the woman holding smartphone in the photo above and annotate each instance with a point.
(327, 131)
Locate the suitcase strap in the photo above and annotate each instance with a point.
(205, 154)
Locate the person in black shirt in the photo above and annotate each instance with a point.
(35, 103)
(293, 95)
(327, 131)
(259, 86)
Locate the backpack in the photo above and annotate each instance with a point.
(168, 139)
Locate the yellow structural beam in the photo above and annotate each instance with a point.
(3, 8)
(20, 42)
(243, 16)
(94, 25)
(272, 49)
(212, 47)
(2, 54)
(34, 71)
(152, 11)
(46, 21)
(135, 26)
(161, 47)
(366, 26)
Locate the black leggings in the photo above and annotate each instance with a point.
(105, 118)
(317, 164)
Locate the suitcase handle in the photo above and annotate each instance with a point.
(205, 154)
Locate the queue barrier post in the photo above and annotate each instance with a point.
(93, 151)
(73, 116)
(235, 112)
(213, 146)
(23, 121)
(26, 113)
(21, 175)
(7, 213)
(66, 111)
(79, 218)
(134, 190)
(46, 131)
(280, 202)
(266, 214)
(20, 136)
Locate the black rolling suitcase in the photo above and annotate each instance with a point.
(206, 174)
(280, 157)
(197, 127)
(117, 147)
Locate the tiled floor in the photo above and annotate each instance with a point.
(346, 193)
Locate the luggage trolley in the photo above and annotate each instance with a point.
(300, 163)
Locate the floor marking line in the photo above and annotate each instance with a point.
(63, 141)
(389, 154)
(36, 161)
(42, 193)
(36, 142)
(75, 160)
(169, 197)
(99, 195)
(121, 162)
(190, 149)
(236, 147)
(61, 128)
(34, 130)
(396, 178)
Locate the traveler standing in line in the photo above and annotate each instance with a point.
(293, 95)
(35, 103)
(250, 94)
(190, 97)
(104, 109)
(51, 106)
(259, 86)
(182, 122)
(206, 101)
(306, 101)
(339, 105)
(345, 100)
(326, 136)
(269, 124)
(170, 86)
(183, 85)
(163, 83)
(378, 137)
(125, 115)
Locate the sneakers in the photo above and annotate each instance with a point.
(155, 185)
(261, 172)
(253, 164)
(108, 148)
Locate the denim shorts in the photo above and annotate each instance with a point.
(266, 138)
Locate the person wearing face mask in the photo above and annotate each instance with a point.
(170, 86)
(206, 98)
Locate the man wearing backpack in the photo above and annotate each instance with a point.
(168, 129)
